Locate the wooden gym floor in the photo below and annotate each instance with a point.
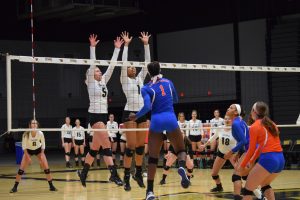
(34, 186)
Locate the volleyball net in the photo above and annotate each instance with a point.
(51, 76)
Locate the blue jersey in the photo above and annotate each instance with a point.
(159, 98)
(240, 132)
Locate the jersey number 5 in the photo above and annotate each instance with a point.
(162, 89)
(104, 92)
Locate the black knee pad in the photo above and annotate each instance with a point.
(81, 155)
(246, 192)
(20, 172)
(263, 189)
(215, 177)
(236, 178)
(152, 160)
(47, 171)
(68, 154)
(122, 153)
(129, 152)
(107, 152)
(76, 156)
(114, 153)
(244, 177)
(93, 153)
(190, 170)
(140, 150)
(166, 168)
(180, 151)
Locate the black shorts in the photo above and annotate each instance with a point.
(115, 139)
(172, 150)
(90, 138)
(79, 142)
(165, 137)
(34, 152)
(220, 154)
(195, 138)
(67, 140)
(126, 115)
(93, 118)
(123, 141)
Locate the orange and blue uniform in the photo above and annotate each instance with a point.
(266, 146)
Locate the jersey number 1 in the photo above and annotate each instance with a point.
(162, 89)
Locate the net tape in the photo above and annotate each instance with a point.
(74, 61)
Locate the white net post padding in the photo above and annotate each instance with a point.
(8, 91)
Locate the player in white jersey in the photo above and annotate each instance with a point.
(33, 143)
(78, 136)
(217, 121)
(111, 124)
(122, 144)
(66, 140)
(195, 133)
(97, 113)
(226, 143)
(132, 85)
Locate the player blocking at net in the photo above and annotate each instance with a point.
(159, 95)
(97, 113)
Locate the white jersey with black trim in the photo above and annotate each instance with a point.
(195, 125)
(97, 89)
(67, 132)
(91, 133)
(112, 125)
(78, 133)
(132, 86)
(226, 140)
(216, 123)
(33, 143)
(123, 134)
(182, 125)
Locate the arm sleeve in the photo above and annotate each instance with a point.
(124, 76)
(253, 140)
(62, 132)
(111, 67)
(147, 104)
(174, 93)
(214, 137)
(91, 70)
(238, 134)
(143, 72)
(43, 141)
(24, 142)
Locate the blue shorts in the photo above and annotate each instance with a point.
(273, 162)
(165, 121)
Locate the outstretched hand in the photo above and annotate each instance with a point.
(145, 37)
(93, 40)
(118, 42)
(126, 38)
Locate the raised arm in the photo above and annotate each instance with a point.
(118, 43)
(127, 39)
(90, 72)
(145, 39)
